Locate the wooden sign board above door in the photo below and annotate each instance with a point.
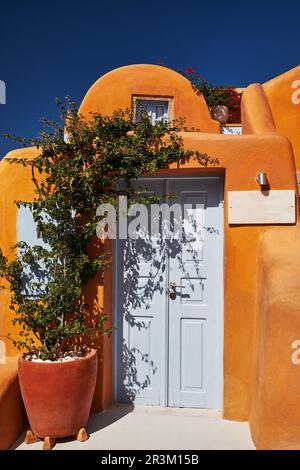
(261, 207)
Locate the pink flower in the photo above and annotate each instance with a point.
(190, 70)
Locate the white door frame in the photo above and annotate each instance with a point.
(115, 263)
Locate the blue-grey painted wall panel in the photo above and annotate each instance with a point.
(27, 232)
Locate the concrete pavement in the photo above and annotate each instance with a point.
(154, 428)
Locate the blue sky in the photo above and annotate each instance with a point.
(58, 48)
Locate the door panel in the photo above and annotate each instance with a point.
(141, 310)
(169, 350)
(195, 339)
(192, 336)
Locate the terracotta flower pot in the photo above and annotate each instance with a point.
(220, 113)
(58, 396)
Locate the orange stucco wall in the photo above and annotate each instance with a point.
(256, 112)
(16, 185)
(285, 110)
(116, 89)
(240, 159)
(275, 413)
(13, 419)
(275, 107)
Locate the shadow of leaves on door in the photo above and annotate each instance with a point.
(146, 259)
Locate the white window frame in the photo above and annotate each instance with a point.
(168, 99)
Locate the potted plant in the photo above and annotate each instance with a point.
(58, 331)
(223, 102)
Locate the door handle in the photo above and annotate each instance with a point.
(174, 286)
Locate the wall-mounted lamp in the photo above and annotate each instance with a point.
(262, 180)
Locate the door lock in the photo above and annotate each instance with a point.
(173, 295)
(174, 286)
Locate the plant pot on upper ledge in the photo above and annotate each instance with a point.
(219, 98)
(220, 113)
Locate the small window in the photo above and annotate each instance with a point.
(156, 109)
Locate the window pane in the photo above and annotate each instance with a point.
(156, 109)
(160, 111)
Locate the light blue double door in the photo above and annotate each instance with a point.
(168, 303)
